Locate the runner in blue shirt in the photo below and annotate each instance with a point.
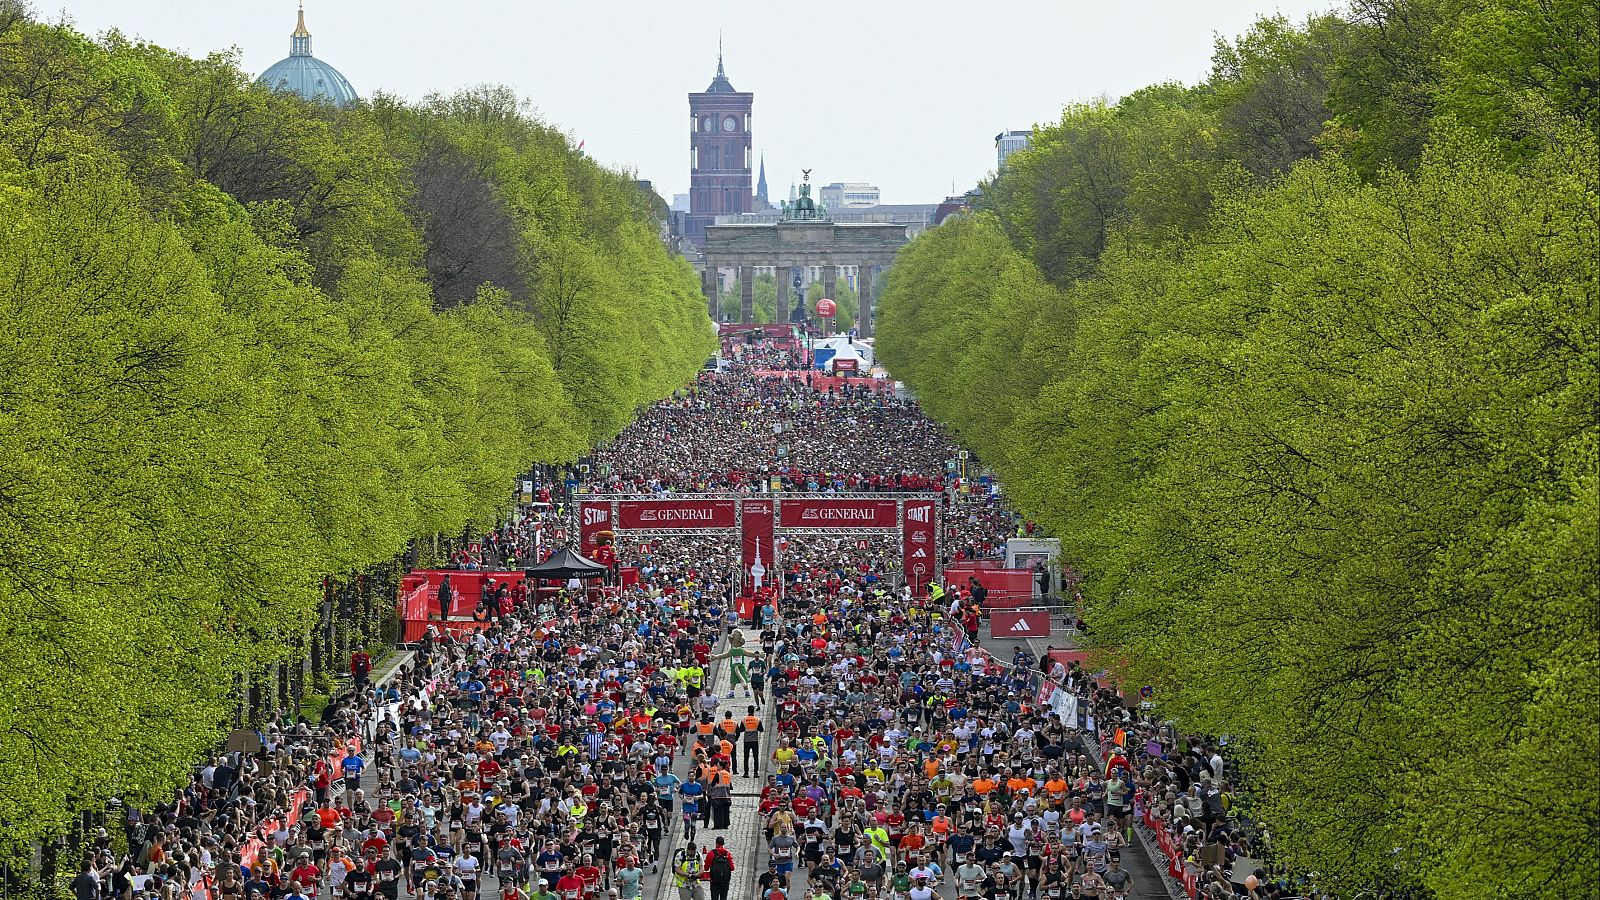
(352, 767)
(666, 785)
(691, 792)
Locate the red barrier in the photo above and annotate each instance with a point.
(419, 599)
(467, 587)
(960, 570)
(416, 628)
(1068, 657)
(413, 599)
(251, 849)
(766, 329)
(830, 382)
(1008, 588)
(1019, 624)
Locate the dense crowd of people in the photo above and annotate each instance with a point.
(543, 753)
(537, 750)
(741, 431)
(912, 767)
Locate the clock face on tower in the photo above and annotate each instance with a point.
(711, 123)
(729, 123)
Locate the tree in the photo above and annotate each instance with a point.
(1313, 413)
(252, 342)
(1271, 87)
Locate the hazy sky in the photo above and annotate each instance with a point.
(905, 94)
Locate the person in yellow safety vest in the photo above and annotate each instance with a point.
(936, 593)
(686, 873)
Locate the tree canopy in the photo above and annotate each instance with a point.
(249, 341)
(1300, 364)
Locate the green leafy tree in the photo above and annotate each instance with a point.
(1311, 408)
(252, 342)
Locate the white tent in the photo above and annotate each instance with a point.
(844, 348)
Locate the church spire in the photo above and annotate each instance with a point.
(761, 184)
(300, 40)
(720, 84)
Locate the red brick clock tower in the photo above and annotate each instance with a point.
(720, 161)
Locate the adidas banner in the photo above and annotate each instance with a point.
(1019, 623)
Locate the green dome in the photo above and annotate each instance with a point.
(304, 74)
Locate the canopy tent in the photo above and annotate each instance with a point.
(827, 351)
(564, 564)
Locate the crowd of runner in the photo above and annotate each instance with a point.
(537, 759)
(742, 431)
(536, 751)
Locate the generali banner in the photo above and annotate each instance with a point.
(837, 514)
(677, 514)
(1019, 623)
(919, 548)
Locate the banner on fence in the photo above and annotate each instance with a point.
(919, 554)
(1019, 623)
(676, 514)
(594, 516)
(1064, 704)
(757, 548)
(838, 514)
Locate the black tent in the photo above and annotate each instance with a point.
(564, 564)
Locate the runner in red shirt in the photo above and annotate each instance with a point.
(307, 874)
(589, 874)
(570, 887)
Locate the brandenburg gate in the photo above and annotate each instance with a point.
(802, 236)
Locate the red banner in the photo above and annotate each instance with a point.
(1019, 624)
(757, 552)
(594, 516)
(841, 514)
(919, 550)
(676, 514)
(1008, 588)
